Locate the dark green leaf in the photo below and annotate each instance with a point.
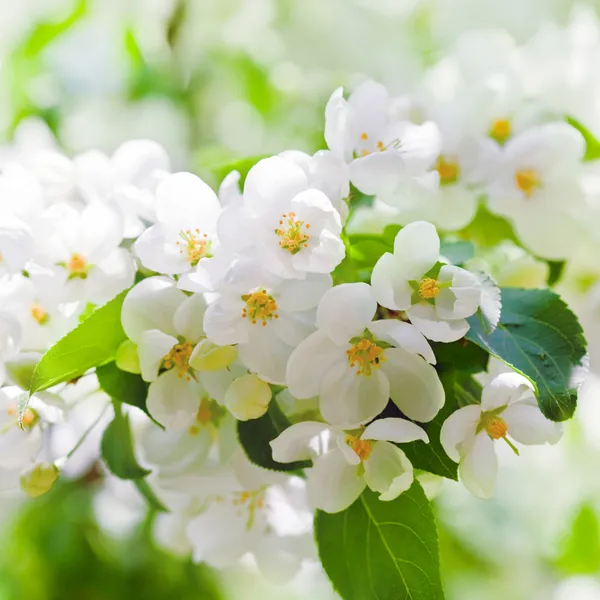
(592, 145)
(146, 491)
(92, 343)
(255, 435)
(467, 390)
(117, 448)
(541, 338)
(457, 252)
(555, 270)
(378, 550)
(462, 355)
(431, 457)
(128, 388)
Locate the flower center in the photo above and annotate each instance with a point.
(251, 501)
(30, 417)
(209, 413)
(179, 357)
(496, 428)
(448, 170)
(260, 306)
(78, 267)
(364, 136)
(39, 314)
(195, 244)
(293, 233)
(429, 288)
(362, 448)
(500, 130)
(365, 355)
(527, 181)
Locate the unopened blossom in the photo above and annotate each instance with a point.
(508, 411)
(264, 315)
(290, 228)
(537, 172)
(351, 460)
(437, 299)
(355, 364)
(186, 226)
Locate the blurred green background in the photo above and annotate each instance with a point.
(214, 81)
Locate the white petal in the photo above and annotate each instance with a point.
(173, 401)
(229, 190)
(189, 317)
(153, 346)
(224, 325)
(458, 427)
(302, 294)
(527, 425)
(390, 285)
(184, 201)
(348, 399)
(415, 386)
(425, 318)
(479, 467)
(403, 335)
(100, 231)
(418, 247)
(309, 363)
(159, 253)
(151, 304)
(332, 484)
(345, 310)
(505, 389)
(463, 298)
(378, 173)
(340, 125)
(388, 471)
(298, 442)
(394, 430)
(265, 354)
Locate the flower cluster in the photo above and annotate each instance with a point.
(266, 334)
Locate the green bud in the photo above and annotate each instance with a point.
(20, 368)
(39, 479)
(210, 357)
(127, 358)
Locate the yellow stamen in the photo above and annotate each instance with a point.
(496, 428)
(293, 233)
(429, 288)
(449, 170)
(260, 306)
(366, 356)
(500, 130)
(178, 357)
(196, 245)
(362, 448)
(527, 181)
(380, 146)
(77, 265)
(39, 314)
(364, 136)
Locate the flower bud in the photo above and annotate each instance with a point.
(127, 358)
(248, 397)
(210, 357)
(38, 479)
(20, 368)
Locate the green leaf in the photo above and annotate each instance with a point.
(92, 343)
(467, 390)
(541, 338)
(462, 355)
(488, 230)
(255, 435)
(431, 457)
(592, 145)
(117, 447)
(243, 166)
(556, 269)
(378, 550)
(580, 553)
(128, 388)
(148, 494)
(457, 252)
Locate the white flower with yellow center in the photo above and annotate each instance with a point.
(355, 365)
(352, 460)
(537, 188)
(81, 250)
(508, 409)
(383, 152)
(291, 228)
(437, 299)
(185, 233)
(265, 315)
(166, 325)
